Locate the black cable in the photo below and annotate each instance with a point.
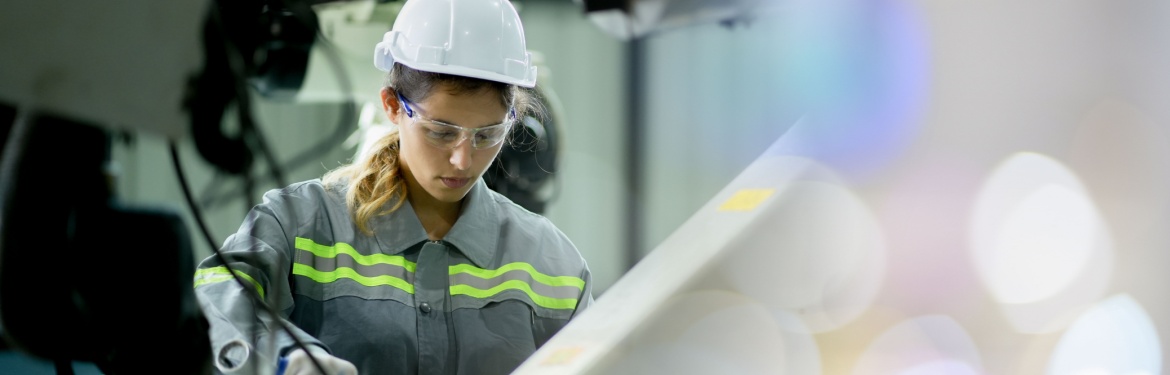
(255, 296)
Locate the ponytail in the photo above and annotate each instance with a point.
(375, 184)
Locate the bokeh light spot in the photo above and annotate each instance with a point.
(931, 344)
(1038, 242)
(1115, 337)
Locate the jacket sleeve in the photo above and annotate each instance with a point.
(586, 298)
(562, 255)
(570, 256)
(245, 338)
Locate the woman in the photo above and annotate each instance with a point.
(405, 262)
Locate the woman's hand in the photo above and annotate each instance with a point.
(299, 363)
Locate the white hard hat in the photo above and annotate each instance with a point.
(474, 38)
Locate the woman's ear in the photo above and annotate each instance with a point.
(391, 105)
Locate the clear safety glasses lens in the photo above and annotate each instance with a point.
(451, 136)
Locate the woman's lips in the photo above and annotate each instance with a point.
(455, 183)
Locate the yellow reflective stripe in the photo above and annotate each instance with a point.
(220, 274)
(349, 273)
(536, 275)
(344, 248)
(548, 302)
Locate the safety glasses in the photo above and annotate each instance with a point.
(449, 136)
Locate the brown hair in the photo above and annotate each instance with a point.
(375, 185)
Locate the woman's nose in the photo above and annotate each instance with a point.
(461, 154)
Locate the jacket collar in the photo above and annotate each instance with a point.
(475, 233)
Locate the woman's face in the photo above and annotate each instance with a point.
(445, 174)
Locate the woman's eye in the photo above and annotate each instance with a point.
(443, 134)
(490, 133)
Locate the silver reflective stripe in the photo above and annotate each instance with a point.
(518, 279)
(468, 302)
(538, 288)
(340, 270)
(215, 275)
(340, 264)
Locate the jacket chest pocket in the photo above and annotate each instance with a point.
(507, 321)
(494, 338)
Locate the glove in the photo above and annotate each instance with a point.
(298, 363)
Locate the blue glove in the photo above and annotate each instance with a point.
(281, 364)
(298, 363)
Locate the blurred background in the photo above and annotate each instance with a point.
(988, 195)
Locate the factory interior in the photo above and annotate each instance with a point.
(837, 187)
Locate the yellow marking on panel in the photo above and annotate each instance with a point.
(746, 199)
(562, 356)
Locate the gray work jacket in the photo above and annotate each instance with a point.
(480, 301)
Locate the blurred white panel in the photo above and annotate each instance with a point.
(711, 329)
(115, 64)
